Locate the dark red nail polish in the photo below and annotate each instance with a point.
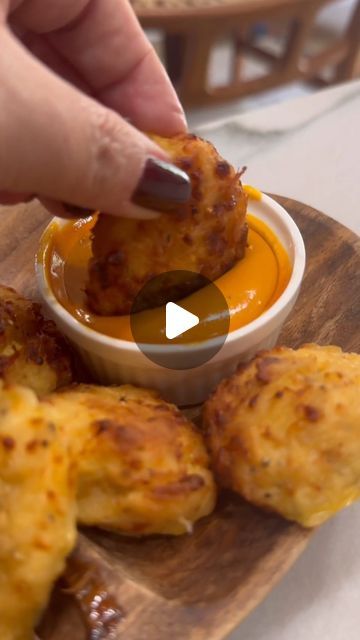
(73, 211)
(162, 186)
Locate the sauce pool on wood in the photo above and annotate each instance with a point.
(100, 611)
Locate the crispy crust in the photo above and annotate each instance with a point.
(118, 458)
(142, 466)
(32, 352)
(207, 235)
(37, 517)
(284, 432)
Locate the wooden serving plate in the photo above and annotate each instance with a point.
(199, 587)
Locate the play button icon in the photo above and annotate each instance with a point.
(178, 320)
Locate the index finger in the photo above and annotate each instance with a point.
(107, 47)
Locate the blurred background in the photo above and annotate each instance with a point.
(228, 56)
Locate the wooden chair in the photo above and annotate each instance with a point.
(193, 27)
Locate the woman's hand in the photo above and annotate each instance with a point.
(68, 69)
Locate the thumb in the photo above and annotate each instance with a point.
(62, 145)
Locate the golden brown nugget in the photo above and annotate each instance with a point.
(37, 511)
(207, 235)
(119, 458)
(142, 466)
(32, 352)
(284, 432)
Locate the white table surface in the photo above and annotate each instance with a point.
(307, 149)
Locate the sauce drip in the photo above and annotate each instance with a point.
(249, 288)
(99, 611)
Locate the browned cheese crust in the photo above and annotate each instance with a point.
(119, 458)
(32, 352)
(142, 466)
(207, 235)
(284, 432)
(37, 516)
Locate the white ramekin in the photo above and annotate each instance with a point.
(114, 361)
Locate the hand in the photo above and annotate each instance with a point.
(68, 69)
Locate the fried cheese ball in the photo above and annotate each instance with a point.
(207, 235)
(142, 466)
(284, 432)
(37, 511)
(32, 352)
(119, 458)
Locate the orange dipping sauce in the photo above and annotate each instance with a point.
(250, 287)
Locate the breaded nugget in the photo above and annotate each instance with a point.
(32, 352)
(37, 511)
(118, 458)
(284, 432)
(207, 235)
(142, 466)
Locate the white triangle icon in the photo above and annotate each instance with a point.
(178, 320)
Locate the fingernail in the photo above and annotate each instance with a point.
(162, 186)
(73, 211)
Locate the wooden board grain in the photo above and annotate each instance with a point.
(200, 587)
